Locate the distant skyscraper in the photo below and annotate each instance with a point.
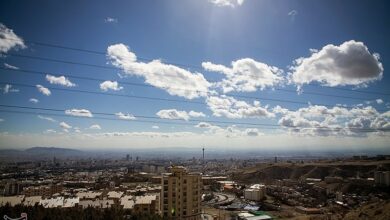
(276, 159)
(181, 194)
(127, 157)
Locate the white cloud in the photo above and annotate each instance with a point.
(1, 120)
(79, 112)
(379, 101)
(113, 85)
(46, 118)
(8, 89)
(252, 132)
(9, 66)
(9, 40)
(95, 127)
(173, 79)
(230, 131)
(60, 80)
(203, 125)
(33, 100)
(293, 14)
(43, 90)
(229, 107)
(195, 114)
(125, 116)
(325, 121)
(176, 114)
(348, 64)
(49, 131)
(227, 3)
(155, 127)
(64, 125)
(246, 75)
(111, 20)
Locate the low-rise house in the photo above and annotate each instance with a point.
(32, 200)
(12, 200)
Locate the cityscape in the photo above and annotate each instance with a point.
(195, 109)
(199, 187)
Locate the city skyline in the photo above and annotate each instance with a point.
(296, 75)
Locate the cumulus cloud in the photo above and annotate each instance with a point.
(230, 131)
(46, 118)
(45, 91)
(252, 132)
(107, 85)
(125, 116)
(176, 114)
(79, 112)
(9, 66)
(203, 125)
(227, 3)
(111, 20)
(246, 75)
(64, 125)
(155, 127)
(33, 100)
(173, 79)
(337, 120)
(379, 101)
(95, 127)
(8, 89)
(9, 40)
(60, 80)
(351, 63)
(224, 106)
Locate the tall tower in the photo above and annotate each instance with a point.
(203, 170)
(203, 155)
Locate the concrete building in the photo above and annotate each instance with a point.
(382, 178)
(255, 192)
(12, 188)
(47, 190)
(181, 194)
(147, 204)
(11, 200)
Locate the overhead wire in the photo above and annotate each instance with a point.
(97, 52)
(181, 120)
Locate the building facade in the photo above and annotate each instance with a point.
(255, 192)
(181, 194)
(382, 178)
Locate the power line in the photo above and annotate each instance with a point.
(148, 59)
(184, 121)
(171, 100)
(116, 68)
(198, 91)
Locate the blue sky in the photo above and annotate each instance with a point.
(342, 45)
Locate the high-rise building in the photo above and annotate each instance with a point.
(181, 194)
(382, 178)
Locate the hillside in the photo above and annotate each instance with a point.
(267, 172)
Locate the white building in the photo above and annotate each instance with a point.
(255, 192)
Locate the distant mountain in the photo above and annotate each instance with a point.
(38, 153)
(51, 150)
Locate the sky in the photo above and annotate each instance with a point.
(224, 74)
